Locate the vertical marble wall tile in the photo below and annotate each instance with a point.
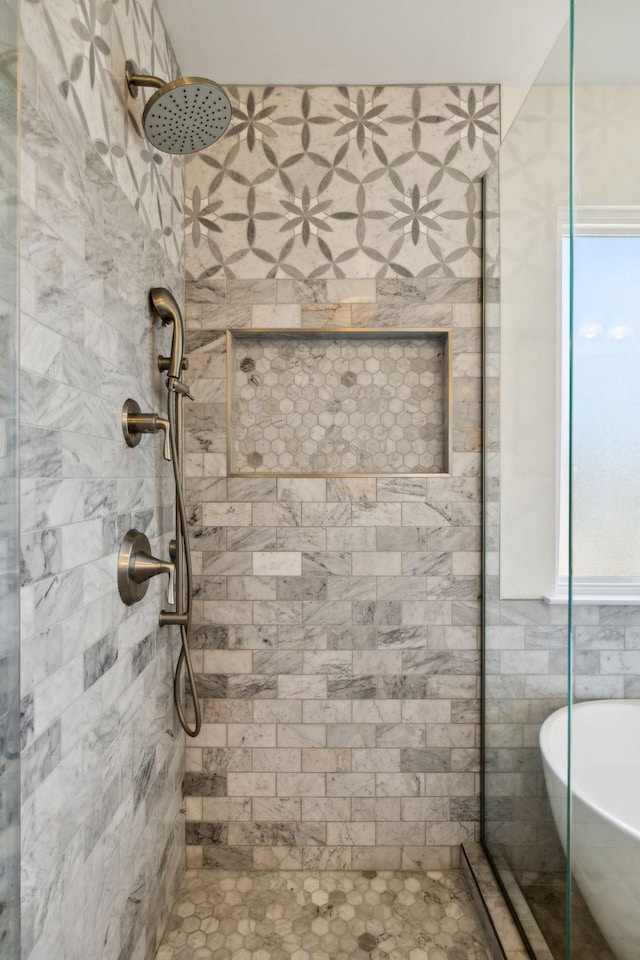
(103, 758)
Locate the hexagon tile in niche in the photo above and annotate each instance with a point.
(298, 915)
(339, 403)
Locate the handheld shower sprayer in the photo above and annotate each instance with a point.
(165, 305)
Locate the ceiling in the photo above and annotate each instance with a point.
(363, 41)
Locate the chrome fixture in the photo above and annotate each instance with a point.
(184, 115)
(137, 565)
(135, 423)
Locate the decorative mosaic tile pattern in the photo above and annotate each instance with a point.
(318, 916)
(344, 181)
(83, 47)
(332, 405)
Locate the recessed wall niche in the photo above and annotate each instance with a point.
(334, 402)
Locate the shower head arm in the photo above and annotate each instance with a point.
(135, 79)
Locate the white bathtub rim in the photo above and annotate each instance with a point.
(546, 739)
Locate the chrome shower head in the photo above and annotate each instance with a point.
(182, 116)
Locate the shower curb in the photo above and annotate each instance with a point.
(505, 941)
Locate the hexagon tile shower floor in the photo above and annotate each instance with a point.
(297, 915)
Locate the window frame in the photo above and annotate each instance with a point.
(589, 221)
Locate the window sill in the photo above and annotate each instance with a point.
(595, 599)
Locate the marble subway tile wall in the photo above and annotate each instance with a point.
(9, 498)
(102, 755)
(337, 618)
(526, 666)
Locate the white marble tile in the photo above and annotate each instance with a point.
(351, 291)
(275, 315)
(279, 564)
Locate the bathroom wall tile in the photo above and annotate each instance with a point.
(305, 489)
(251, 291)
(315, 315)
(279, 564)
(352, 488)
(376, 514)
(279, 662)
(276, 514)
(304, 538)
(376, 564)
(413, 315)
(301, 784)
(279, 711)
(351, 291)
(298, 687)
(326, 514)
(251, 784)
(329, 238)
(302, 588)
(275, 315)
(401, 488)
(226, 515)
(101, 223)
(301, 291)
(351, 785)
(326, 712)
(247, 488)
(302, 735)
(246, 588)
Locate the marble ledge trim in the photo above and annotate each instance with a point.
(501, 930)
(316, 857)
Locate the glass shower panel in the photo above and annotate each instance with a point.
(9, 543)
(604, 448)
(526, 481)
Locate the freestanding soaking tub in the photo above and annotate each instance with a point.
(605, 816)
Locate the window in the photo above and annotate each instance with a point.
(605, 408)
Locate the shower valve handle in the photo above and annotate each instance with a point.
(135, 423)
(137, 565)
(146, 566)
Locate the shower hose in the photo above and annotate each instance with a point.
(182, 537)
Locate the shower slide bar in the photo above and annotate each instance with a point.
(136, 565)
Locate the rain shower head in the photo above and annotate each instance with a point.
(182, 116)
